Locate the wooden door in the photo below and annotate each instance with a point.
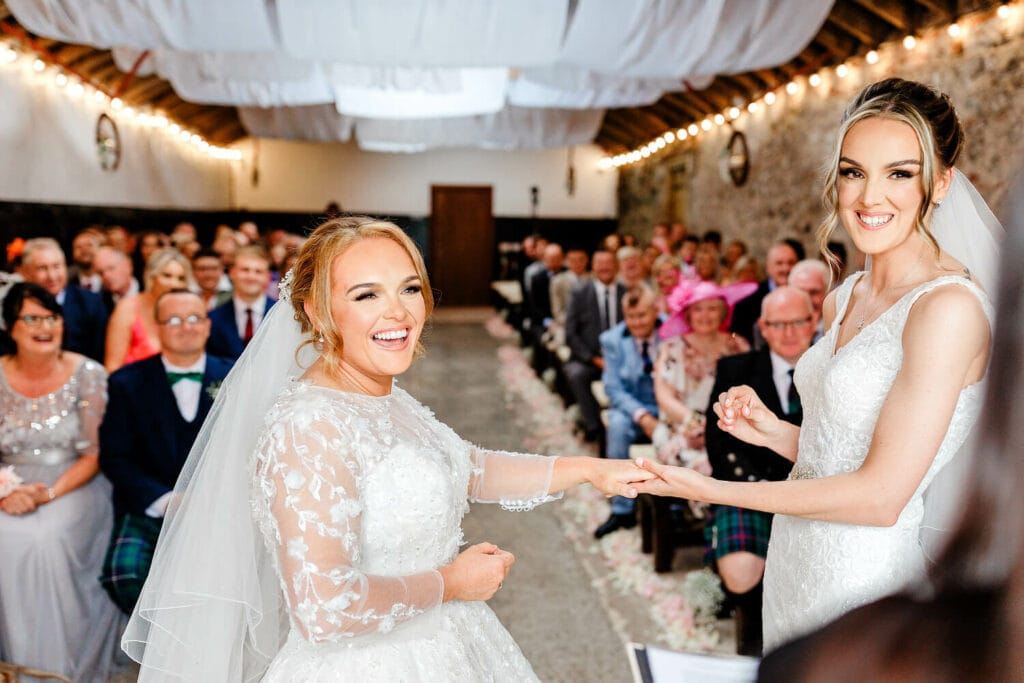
(461, 244)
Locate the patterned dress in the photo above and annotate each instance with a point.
(360, 500)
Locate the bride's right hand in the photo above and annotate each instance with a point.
(477, 572)
(742, 413)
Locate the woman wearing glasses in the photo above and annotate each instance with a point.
(891, 391)
(54, 524)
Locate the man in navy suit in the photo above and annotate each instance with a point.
(594, 306)
(233, 323)
(154, 413)
(85, 318)
(737, 539)
(629, 350)
(780, 260)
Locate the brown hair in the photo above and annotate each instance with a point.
(940, 134)
(311, 276)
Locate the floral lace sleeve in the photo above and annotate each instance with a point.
(308, 504)
(92, 403)
(516, 480)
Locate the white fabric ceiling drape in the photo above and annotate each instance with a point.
(401, 68)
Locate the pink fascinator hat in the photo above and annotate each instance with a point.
(690, 291)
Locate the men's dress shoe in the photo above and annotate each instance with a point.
(592, 435)
(614, 523)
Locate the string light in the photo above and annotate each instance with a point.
(955, 30)
(38, 65)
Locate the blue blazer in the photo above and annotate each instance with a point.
(85, 323)
(144, 440)
(224, 339)
(627, 385)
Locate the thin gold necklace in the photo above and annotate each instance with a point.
(881, 295)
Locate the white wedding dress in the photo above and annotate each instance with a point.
(817, 571)
(360, 499)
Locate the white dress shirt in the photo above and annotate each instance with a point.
(780, 375)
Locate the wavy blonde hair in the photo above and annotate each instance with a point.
(160, 258)
(940, 134)
(311, 278)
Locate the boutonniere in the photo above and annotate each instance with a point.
(212, 389)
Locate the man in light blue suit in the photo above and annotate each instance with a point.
(629, 350)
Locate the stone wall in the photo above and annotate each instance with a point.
(982, 71)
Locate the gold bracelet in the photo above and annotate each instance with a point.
(51, 493)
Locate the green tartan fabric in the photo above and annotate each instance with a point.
(128, 558)
(733, 530)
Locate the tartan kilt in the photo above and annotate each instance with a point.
(732, 530)
(129, 557)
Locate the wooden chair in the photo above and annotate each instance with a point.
(12, 673)
(662, 530)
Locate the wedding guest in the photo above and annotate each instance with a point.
(629, 349)
(737, 538)
(780, 260)
(631, 271)
(119, 238)
(328, 499)
(85, 319)
(576, 261)
(963, 625)
(209, 272)
(705, 264)
(115, 271)
(233, 323)
(732, 254)
(133, 331)
(892, 391)
(666, 272)
(594, 306)
(54, 615)
(812, 276)
(155, 410)
(147, 244)
(83, 252)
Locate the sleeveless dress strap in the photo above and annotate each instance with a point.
(925, 287)
(843, 294)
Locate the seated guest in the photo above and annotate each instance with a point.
(693, 341)
(133, 333)
(209, 274)
(53, 614)
(115, 271)
(781, 259)
(233, 323)
(85, 319)
(156, 408)
(539, 298)
(576, 261)
(631, 266)
(147, 244)
(737, 539)
(736, 250)
(666, 272)
(594, 306)
(83, 251)
(629, 349)
(705, 264)
(812, 276)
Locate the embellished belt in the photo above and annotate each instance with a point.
(40, 456)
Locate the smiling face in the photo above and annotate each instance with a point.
(171, 276)
(46, 267)
(880, 190)
(705, 317)
(40, 337)
(378, 310)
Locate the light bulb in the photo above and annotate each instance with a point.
(871, 57)
(769, 98)
(734, 113)
(814, 80)
(792, 87)
(953, 30)
(669, 137)
(719, 119)
(692, 129)
(910, 42)
(842, 71)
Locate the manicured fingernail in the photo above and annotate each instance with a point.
(640, 462)
(632, 492)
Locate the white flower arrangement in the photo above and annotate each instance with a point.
(703, 591)
(9, 481)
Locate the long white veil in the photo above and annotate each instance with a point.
(965, 228)
(211, 609)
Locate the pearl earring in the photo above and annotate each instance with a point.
(320, 338)
(938, 203)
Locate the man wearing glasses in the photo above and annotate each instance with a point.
(737, 539)
(155, 409)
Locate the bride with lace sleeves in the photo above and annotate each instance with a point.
(316, 531)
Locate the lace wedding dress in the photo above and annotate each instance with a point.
(817, 570)
(360, 499)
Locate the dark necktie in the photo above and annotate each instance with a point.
(175, 377)
(607, 322)
(247, 336)
(792, 398)
(645, 356)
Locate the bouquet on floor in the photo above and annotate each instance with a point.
(8, 481)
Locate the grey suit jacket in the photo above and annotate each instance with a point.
(583, 320)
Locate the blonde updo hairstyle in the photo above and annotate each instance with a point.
(311, 278)
(159, 259)
(940, 135)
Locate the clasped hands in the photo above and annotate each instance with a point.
(24, 499)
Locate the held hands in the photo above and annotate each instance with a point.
(24, 499)
(617, 477)
(477, 573)
(741, 413)
(666, 480)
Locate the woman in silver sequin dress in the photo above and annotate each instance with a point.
(54, 527)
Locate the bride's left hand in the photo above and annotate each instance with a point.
(667, 480)
(617, 477)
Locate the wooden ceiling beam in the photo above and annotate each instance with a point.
(899, 14)
(858, 23)
(682, 101)
(624, 119)
(944, 10)
(837, 42)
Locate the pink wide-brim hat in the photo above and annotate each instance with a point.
(690, 291)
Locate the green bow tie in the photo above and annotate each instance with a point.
(175, 377)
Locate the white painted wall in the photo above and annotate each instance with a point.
(296, 176)
(48, 153)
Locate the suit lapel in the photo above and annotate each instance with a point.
(166, 406)
(766, 384)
